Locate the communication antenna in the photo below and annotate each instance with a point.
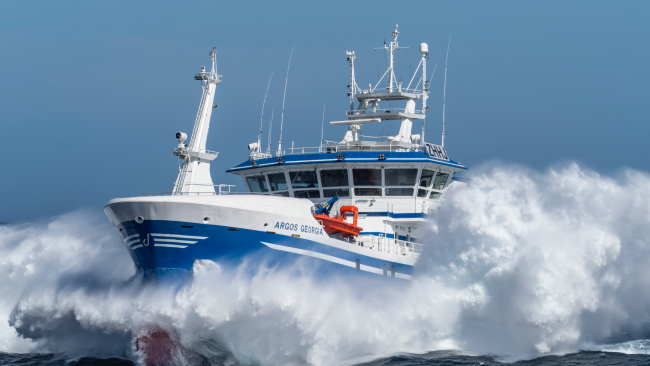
(424, 121)
(321, 128)
(259, 138)
(268, 148)
(444, 95)
(283, 99)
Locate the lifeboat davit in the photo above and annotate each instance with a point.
(338, 225)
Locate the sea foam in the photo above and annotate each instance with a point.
(518, 263)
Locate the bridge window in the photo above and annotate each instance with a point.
(441, 180)
(334, 178)
(283, 194)
(367, 191)
(399, 191)
(278, 181)
(304, 179)
(257, 183)
(401, 177)
(425, 178)
(422, 193)
(367, 177)
(307, 194)
(434, 196)
(342, 192)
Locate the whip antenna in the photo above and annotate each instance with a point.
(268, 149)
(321, 129)
(444, 95)
(283, 99)
(424, 121)
(259, 138)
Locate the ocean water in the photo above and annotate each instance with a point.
(440, 358)
(522, 267)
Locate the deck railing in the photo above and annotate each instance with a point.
(377, 110)
(393, 246)
(219, 189)
(338, 146)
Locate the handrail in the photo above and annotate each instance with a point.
(415, 90)
(338, 147)
(382, 110)
(395, 246)
(216, 193)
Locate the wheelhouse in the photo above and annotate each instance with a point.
(348, 180)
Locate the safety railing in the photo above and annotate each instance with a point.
(405, 205)
(219, 189)
(394, 246)
(365, 92)
(339, 146)
(382, 110)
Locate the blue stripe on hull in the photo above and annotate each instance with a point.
(231, 247)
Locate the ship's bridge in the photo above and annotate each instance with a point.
(394, 178)
(399, 176)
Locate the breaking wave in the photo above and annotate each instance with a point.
(520, 264)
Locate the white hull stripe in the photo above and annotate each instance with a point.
(136, 247)
(170, 245)
(180, 236)
(330, 258)
(175, 241)
(131, 236)
(133, 241)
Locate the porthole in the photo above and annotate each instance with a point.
(206, 219)
(139, 219)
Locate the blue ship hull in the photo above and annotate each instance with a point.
(231, 247)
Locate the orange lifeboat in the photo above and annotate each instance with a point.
(337, 225)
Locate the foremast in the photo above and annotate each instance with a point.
(194, 175)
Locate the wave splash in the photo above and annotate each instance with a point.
(519, 264)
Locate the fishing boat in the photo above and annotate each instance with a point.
(360, 205)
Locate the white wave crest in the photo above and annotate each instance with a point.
(640, 346)
(520, 264)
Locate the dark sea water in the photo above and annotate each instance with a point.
(443, 358)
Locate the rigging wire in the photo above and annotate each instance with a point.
(408, 51)
(377, 63)
(399, 63)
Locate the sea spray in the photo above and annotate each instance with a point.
(519, 263)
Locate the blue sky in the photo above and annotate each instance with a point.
(91, 93)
